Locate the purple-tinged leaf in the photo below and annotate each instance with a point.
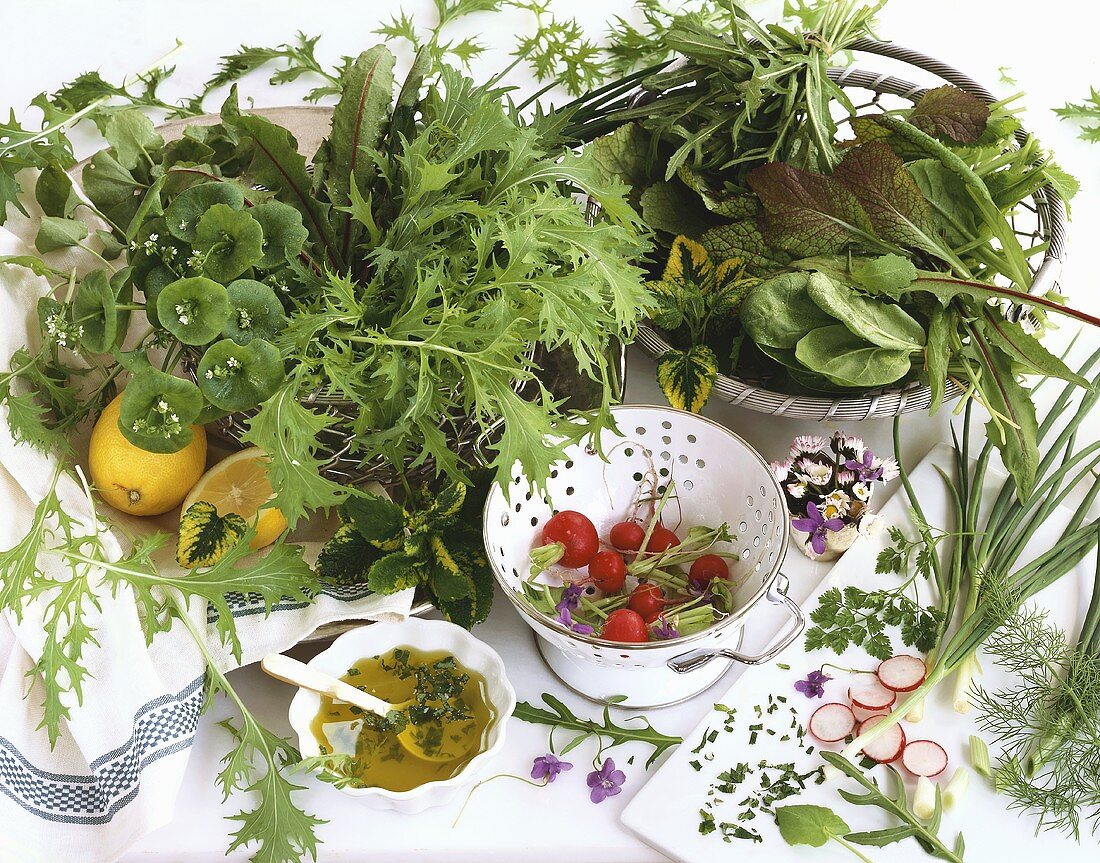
(948, 112)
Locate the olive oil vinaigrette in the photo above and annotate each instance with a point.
(449, 711)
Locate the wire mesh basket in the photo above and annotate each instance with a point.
(1038, 220)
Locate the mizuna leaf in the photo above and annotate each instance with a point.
(686, 377)
(808, 214)
(948, 112)
(894, 203)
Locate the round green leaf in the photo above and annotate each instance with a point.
(284, 233)
(254, 312)
(237, 377)
(122, 285)
(157, 410)
(183, 214)
(194, 310)
(229, 241)
(151, 284)
(848, 361)
(94, 313)
(154, 247)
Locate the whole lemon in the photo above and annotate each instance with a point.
(136, 481)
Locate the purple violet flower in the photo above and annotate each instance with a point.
(865, 467)
(605, 782)
(814, 684)
(565, 617)
(816, 525)
(570, 599)
(665, 630)
(549, 766)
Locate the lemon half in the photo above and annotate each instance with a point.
(239, 484)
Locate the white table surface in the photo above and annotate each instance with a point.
(1050, 49)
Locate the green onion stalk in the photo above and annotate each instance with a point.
(981, 581)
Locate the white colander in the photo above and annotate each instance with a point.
(719, 478)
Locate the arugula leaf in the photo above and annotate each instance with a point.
(943, 326)
(886, 275)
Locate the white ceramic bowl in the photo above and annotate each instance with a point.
(425, 635)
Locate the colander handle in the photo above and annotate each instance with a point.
(777, 595)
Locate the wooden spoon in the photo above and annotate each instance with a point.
(442, 747)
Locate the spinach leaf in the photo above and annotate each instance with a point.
(952, 209)
(779, 311)
(849, 361)
(886, 275)
(880, 323)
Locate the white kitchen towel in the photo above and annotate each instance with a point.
(114, 774)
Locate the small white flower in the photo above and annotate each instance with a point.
(855, 444)
(862, 490)
(818, 474)
(183, 224)
(209, 375)
(808, 444)
(781, 469)
(836, 504)
(154, 237)
(233, 363)
(890, 469)
(162, 406)
(797, 489)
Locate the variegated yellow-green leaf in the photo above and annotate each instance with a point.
(688, 261)
(205, 536)
(671, 298)
(686, 377)
(448, 579)
(449, 501)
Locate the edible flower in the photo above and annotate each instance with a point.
(665, 630)
(808, 444)
(816, 525)
(865, 467)
(605, 782)
(814, 684)
(549, 767)
(570, 599)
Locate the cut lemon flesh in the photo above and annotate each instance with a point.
(239, 484)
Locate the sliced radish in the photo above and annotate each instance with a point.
(872, 696)
(832, 722)
(902, 673)
(886, 748)
(924, 758)
(862, 714)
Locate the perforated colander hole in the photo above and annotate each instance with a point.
(663, 471)
(569, 464)
(744, 554)
(519, 506)
(743, 526)
(759, 515)
(683, 459)
(692, 438)
(763, 491)
(518, 480)
(699, 463)
(569, 489)
(515, 572)
(554, 473)
(666, 455)
(504, 519)
(534, 521)
(639, 430)
(756, 542)
(749, 500)
(688, 485)
(528, 496)
(637, 476)
(666, 440)
(661, 489)
(758, 567)
(629, 451)
(666, 425)
(589, 449)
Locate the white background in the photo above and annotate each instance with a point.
(1050, 48)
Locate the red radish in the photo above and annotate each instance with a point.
(888, 746)
(626, 626)
(574, 537)
(707, 567)
(627, 536)
(661, 539)
(607, 571)
(902, 673)
(832, 722)
(924, 758)
(648, 601)
(862, 713)
(872, 696)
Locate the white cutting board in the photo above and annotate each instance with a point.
(665, 813)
